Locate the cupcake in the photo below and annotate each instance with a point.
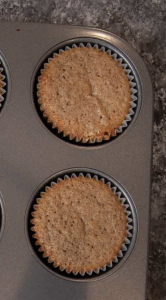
(85, 93)
(0, 82)
(2, 85)
(80, 225)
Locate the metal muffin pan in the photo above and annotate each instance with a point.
(30, 153)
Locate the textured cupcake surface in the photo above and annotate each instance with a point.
(80, 224)
(85, 93)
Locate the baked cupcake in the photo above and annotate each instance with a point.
(85, 93)
(2, 87)
(0, 83)
(80, 225)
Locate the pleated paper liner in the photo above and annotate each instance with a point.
(3, 85)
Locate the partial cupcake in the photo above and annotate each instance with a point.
(0, 82)
(80, 225)
(2, 86)
(85, 93)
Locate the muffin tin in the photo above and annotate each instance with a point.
(31, 155)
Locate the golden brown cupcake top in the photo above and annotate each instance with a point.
(80, 224)
(85, 93)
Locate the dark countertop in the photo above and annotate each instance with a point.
(143, 25)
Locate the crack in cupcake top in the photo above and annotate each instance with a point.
(85, 93)
(80, 224)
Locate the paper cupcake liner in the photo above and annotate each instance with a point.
(2, 89)
(127, 210)
(133, 88)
